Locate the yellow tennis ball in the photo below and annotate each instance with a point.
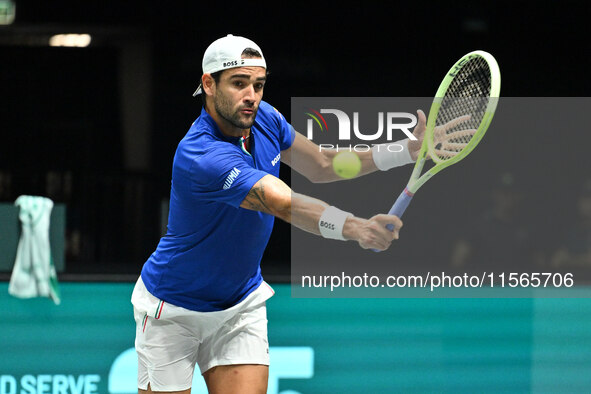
(346, 164)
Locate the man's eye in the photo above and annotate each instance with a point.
(259, 86)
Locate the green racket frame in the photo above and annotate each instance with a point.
(416, 181)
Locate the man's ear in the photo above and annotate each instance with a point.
(208, 84)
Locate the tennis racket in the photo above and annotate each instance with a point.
(460, 114)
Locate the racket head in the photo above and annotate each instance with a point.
(471, 87)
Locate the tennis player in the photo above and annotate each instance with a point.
(201, 298)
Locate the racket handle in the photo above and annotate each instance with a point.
(399, 207)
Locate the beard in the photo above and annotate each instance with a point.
(223, 107)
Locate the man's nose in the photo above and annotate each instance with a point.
(249, 94)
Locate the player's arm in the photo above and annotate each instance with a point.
(315, 162)
(271, 195)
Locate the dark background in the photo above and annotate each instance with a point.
(72, 119)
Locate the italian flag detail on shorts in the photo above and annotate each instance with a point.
(159, 310)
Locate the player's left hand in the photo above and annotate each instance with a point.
(414, 146)
(442, 137)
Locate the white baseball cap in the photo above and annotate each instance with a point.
(226, 52)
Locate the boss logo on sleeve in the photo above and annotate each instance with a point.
(276, 159)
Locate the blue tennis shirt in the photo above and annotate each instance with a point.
(209, 259)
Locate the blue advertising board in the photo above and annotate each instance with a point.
(85, 345)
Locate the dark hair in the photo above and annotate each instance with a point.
(216, 77)
(247, 53)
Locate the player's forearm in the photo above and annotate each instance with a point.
(380, 157)
(328, 174)
(273, 196)
(316, 163)
(305, 212)
(317, 217)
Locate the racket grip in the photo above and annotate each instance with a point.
(399, 207)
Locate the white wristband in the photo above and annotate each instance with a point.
(331, 223)
(388, 156)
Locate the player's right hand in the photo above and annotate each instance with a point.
(372, 233)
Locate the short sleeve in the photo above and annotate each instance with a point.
(286, 130)
(223, 175)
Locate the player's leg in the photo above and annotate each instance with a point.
(167, 352)
(240, 379)
(166, 357)
(235, 359)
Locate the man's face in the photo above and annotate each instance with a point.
(238, 95)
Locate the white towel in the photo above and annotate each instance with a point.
(34, 273)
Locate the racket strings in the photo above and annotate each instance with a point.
(468, 94)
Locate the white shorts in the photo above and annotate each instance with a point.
(170, 340)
